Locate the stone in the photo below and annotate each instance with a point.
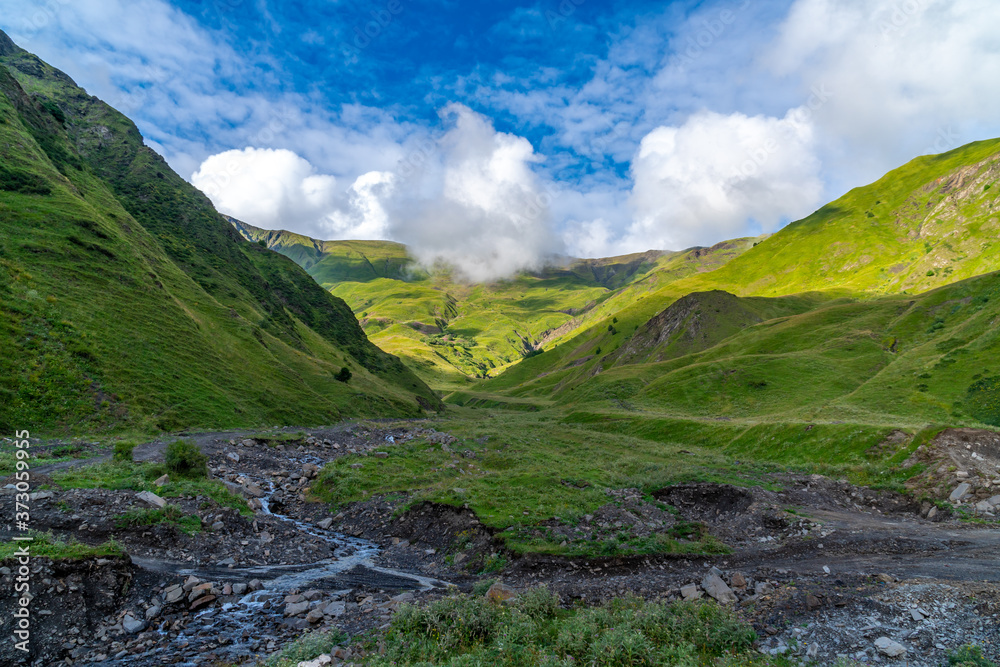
(916, 615)
(315, 615)
(690, 592)
(335, 609)
(320, 661)
(326, 523)
(381, 455)
(191, 582)
(886, 578)
(763, 588)
(717, 588)
(253, 490)
(313, 594)
(959, 492)
(813, 602)
(296, 608)
(932, 513)
(173, 594)
(813, 651)
(227, 589)
(889, 647)
(983, 506)
(738, 581)
(133, 625)
(255, 585)
(239, 589)
(203, 601)
(217, 526)
(226, 562)
(198, 591)
(162, 480)
(152, 612)
(233, 456)
(151, 499)
(994, 501)
(499, 592)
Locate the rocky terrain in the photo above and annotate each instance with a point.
(821, 568)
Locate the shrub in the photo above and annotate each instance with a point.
(262, 243)
(969, 656)
(344, 375)
(184, 459)
(123, 451)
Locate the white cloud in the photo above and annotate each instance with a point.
(906, 77)
(277, 189)
(474, 202)
(710, 178)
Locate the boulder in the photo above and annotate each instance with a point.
(296, 608)
(315, 615)
(203, 601)
(717, 588)
(889, 647)
(151, 499)
(499, 592)
(173, 594)
(133, 625)
(335, 609)
(325, 523)
(690, 592)
(959, 492)
(239, 589)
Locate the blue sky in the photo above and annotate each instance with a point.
(494, 135)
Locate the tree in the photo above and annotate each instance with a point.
(344, 375)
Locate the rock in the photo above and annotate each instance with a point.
(152, 612)
(296, 608)
(335, 609)
(253, 490)
(738, 581)
(239, 589)
(203, 601)
(326, 523)
(173, 594)
(763, 588)
(226, 562)
(227, 589)
(217, 526)
(813, 602)
(191, 582)
(886, 578)
(717, 588)
(315, 615)
(313, 594)
(959, 492)
(813, 651)
(690, 592)
(404, 597)
(890, 648)
(932, 513)
(381, 455)
(151, 499)
(916, 615)
(233, 456)
(500, 593)
(255, 585)
(320, 661)
(198, 591)
(133, 625)
(41, 495)
(984, 506)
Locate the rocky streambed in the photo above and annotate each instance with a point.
(824, 570)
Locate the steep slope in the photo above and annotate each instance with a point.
(930, 223)
(128, 301)
(451, 332)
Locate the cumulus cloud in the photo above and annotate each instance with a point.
(906, 77)
(278, 189)
(707, 179)
(472, 201)
(467, 199)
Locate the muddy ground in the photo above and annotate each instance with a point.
(822, 569)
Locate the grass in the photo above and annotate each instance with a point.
(307, 647)
(518, 470)
(533, 630)
(128, 303)
(169, 515)
(117, 475)
(45, 545)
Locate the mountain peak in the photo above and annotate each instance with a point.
(7, 45)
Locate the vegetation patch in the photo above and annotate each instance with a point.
(170, 515)
(533, 630)
(46, 545)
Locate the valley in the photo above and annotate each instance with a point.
(251, 447)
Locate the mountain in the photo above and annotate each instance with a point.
(126, 300)
(872, 309)
(451, 332)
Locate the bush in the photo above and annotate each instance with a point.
(123, 451)
(344, 375)
(969, 656)
(262, 243)
(184, 459)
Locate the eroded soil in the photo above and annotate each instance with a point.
(821, 568)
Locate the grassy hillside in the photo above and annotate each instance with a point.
(126, 301)
(452, 332)
(928, 224)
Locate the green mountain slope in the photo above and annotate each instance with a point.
(127, 301)
(451, 332)
(930, 223)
